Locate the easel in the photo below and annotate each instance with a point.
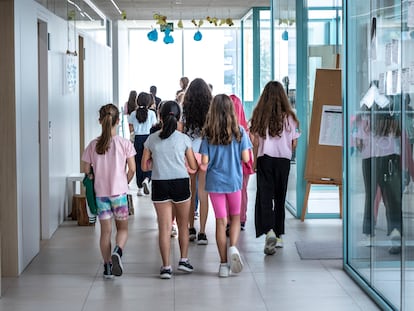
(324, 158)
(309, 184)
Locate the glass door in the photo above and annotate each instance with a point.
(378, 156)
(407, 103)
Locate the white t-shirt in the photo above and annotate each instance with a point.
(142, 128)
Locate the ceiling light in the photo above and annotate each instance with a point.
(116, 6)
(95, 8)
(75, 5)
(88, 16)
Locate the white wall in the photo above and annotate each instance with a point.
(98, 85)
(28, 208)
(63, 116)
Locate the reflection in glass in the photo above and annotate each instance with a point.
(379, 157)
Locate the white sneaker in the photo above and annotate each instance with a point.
(224, 270)
(236, 263)
(366, 241)
(395, 237)
(140, 192)
(270, 243)
(279, 242)
(146, 186)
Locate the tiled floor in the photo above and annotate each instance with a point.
(67, 274)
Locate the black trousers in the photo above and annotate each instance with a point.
(272, 178)
(386, 175)
(139, 148)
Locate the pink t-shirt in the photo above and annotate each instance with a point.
(110, 168)
(279, 147)
(371, 145)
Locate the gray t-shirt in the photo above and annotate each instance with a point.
(168, 155)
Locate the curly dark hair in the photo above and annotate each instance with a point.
(196, 103)
(271, 111)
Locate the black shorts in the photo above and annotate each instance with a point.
(175, 190)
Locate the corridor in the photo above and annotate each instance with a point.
(67, 273)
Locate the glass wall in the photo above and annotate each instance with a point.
(257, 55)
(325, 42)
(378, 149)
(313, 32)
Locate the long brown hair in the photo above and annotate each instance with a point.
(108, 117)
(221, 123)
(271, 111)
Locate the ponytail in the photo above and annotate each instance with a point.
(169, 114)
(144, 101)
(108, 117)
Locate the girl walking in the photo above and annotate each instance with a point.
(196, 102)
(108, 155)
(225, 144)
(246, 167)
(140, 122)
(166, 151)
(274, 131)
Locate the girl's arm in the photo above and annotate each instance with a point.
(204, 159)
(255, 142)
(131, 168)
(146, 161)
(86, 167)
(191, 160)
(245, 156)
(294, 144)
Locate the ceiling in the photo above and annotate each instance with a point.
(145, 9)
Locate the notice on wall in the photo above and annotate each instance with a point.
(331, 126)
(70, 73)
(396, 82)
(405, 80)
(381, 83)
(395, 48)
(388, 54)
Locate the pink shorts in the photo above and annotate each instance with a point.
(202, 167)
(222, 201)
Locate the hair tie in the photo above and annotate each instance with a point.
(171, 113)
(141, 107)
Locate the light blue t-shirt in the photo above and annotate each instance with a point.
(224, 170)
(168, 155)
(142, 128)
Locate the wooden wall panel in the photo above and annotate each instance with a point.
(8, 176)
